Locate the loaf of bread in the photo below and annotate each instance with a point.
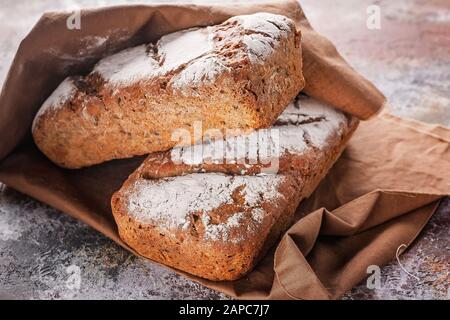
(215, 218)
(239, 74)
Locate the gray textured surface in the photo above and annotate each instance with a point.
(408, 59)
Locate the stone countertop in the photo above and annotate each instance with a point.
(408, 59)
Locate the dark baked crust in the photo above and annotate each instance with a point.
(214, 260)
(188, 249)
(100, 120)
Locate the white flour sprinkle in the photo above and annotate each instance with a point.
(64, 92)
(168, 201)
(221, 231)
(318, 132)
(268, 29)
(200, 71)
(259, 47)
(136, 64)
(261, 144)
(258, 214)
(193, 48)
(181, 47)
(273, 25)
(128, 66)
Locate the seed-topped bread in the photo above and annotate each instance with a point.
(240, 74)
(215, 218)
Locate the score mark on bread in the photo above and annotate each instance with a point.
(216, 222)
(240, 74)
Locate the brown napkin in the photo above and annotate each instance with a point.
(378, 196)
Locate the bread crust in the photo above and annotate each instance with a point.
(189, 248)
(131, 103)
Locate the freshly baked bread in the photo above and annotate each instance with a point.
(215, 220)
(239, 74)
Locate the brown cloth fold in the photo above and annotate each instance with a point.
(379, 195)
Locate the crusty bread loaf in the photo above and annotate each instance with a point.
(215, 220)
(238, 74)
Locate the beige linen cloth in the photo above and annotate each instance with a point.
(378, 196)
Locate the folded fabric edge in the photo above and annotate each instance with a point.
(290, 288)
(435, 130)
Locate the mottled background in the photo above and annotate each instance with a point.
(408, 59)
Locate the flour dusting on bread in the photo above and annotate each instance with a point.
(179, 48)
(239, 74)
(195, 49)
(272, 25)
(202, 220)
(200, 71)
(168, 202)
(317, 120)
(221, 231)
(63, 93)
(305, 124)
(262, 33)
(127, 66)
(145, 62)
